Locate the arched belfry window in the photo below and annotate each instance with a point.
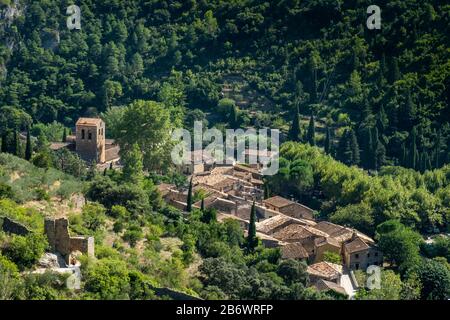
(82, 134)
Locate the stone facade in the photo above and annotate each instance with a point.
(59, 239)
(90, 139)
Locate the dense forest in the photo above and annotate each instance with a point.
(388, 87)
(364, 116)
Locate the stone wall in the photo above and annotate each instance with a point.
(11, 226)
(57, 231)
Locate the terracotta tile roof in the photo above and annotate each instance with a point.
(164, 188)
(239, 167)
(294, 251)
(227, 182)
(278, 202)
(214, 177)
(340, 233)
(269, 225)
(356, 245)
(324, 285)
(325, 270)
(326, 240)
(328, 227)
(89, 121)
(257, 182)
(296, 232)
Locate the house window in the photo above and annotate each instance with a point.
(357, 256)
(357, 266)
(82, 134)
(89, 135)
(368, 255)
(376, 254)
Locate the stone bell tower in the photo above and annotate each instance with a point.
(90, 139)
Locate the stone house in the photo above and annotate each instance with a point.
(325, 244)
(358, 254)
(289, 208)
(301, 234)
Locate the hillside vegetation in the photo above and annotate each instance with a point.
(316, 55)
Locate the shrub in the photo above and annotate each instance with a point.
(25, 251)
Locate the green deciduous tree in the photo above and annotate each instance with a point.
(147, 124)
(133, 165)
(400, 245)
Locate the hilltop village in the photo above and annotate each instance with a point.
(231, 190)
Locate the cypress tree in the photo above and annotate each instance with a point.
(354, 146)
(5, 142)
(295, 132)
(342, 150)
(234, 116)
(266, 191)
(380, 155)
(437, 150)
(64, 137)
(404, 156)
(311, 136)
(427, 162)
(252, 241)
(409, 111)
(189, 197)
(368, 148)
(15, 147)
(28, 149)
(373, 152)
(413, 159)
(395, 73)
(346, 148)
(202, 206)
(382, 120)
(328, 141)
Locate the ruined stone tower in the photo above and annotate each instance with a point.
(90, 139)
(59, 239)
